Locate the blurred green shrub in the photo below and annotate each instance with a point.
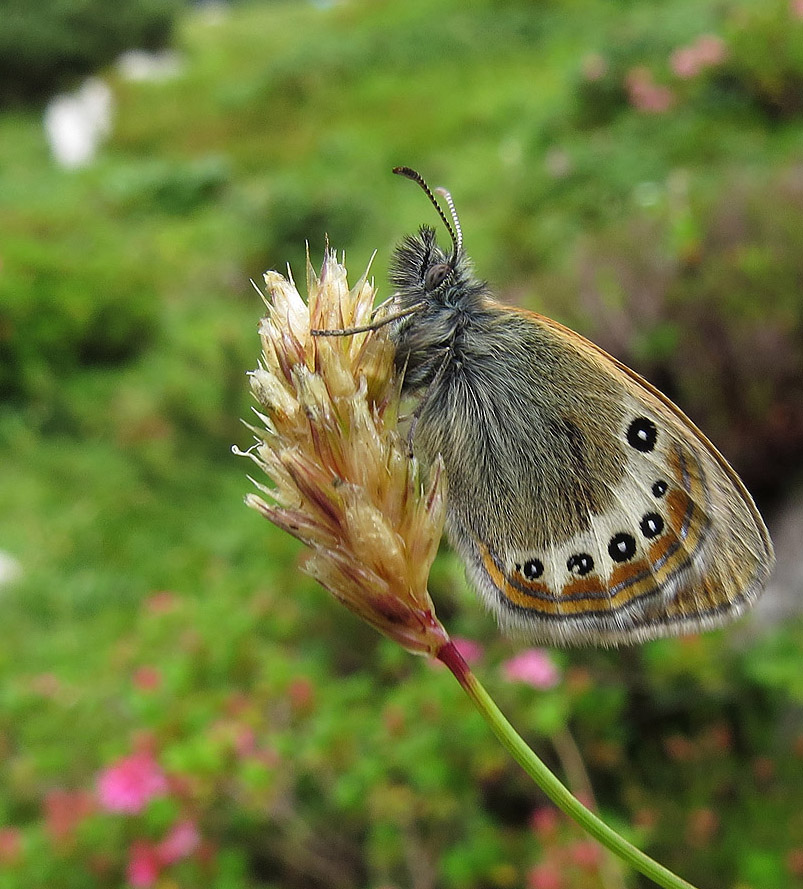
(295, 215)
(61, 310)
(168, 186)
(765, 57)
(44, 45)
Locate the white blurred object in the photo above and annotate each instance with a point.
(138, 65)
(76, 123)
(212, 12)
(10, 569)
(783, 598)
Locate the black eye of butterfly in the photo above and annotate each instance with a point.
(580, 564)
(642, 434)
(436, 275)
(532, 569)
(622, 547)
(651, 525)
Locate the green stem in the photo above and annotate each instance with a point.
(550, 785)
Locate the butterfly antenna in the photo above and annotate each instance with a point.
(457, 240)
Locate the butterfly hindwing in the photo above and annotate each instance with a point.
(672, 545)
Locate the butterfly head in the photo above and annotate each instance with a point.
(422, 272)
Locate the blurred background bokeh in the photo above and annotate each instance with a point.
(179, 705)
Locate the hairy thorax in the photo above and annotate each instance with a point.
(467, 368)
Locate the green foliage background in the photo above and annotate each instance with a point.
(44, 45)
(127, 324)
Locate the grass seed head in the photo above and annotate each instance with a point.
(341, 479)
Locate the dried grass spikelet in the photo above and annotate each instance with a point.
(343, 481)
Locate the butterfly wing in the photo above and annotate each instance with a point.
(588, 507)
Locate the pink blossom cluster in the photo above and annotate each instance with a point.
(565, 858)
(147, 859)
(650, 97)
(470, 650)
(533, 666)
(127, 786)
(10, 846)
(65, 810)
(706, 52)
(131, 783)
(645, 94)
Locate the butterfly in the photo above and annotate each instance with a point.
(587, 507)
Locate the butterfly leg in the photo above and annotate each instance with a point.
(419, 408)
(374, 325)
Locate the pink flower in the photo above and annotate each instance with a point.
(147, 678)
(705, 52)
(711, 50)
(586, 854)
(64, 812)
(301, 692)
(646, 95)
(181, 841)
(245, 741)
(146, 860)
(131, 783)
(533, 666)
(544, 876)
(470, 650)
(544, 821)
(684, 62)
(144, 864)
(796, 9)
(161, 602)
(10, 845)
